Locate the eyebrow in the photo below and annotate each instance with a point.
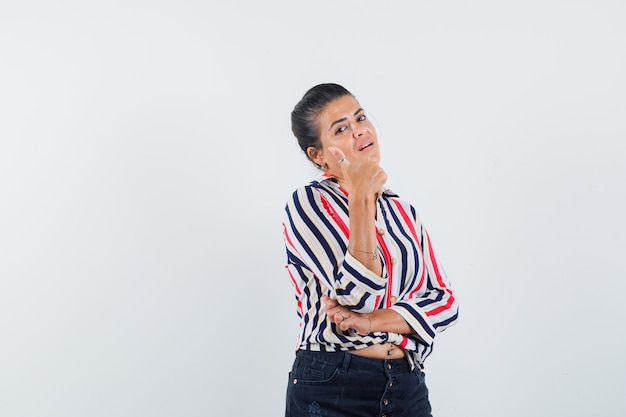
(343, 119)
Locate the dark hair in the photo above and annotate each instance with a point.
(304, 117)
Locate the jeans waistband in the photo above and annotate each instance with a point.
(350, 361)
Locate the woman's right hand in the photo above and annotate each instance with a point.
(363, 176)
(346, 319)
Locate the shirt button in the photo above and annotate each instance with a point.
(394, 261)
(381, 232)
(295, 381)
(388, 366)
(385, 402)
(391, 383)
(394, 299)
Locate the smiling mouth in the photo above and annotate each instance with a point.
(367, 145)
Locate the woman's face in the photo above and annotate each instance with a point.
(343, 124)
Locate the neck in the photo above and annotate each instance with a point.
(345, 185)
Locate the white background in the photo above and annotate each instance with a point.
(146, 156)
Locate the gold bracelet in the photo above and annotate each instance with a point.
(371, 252)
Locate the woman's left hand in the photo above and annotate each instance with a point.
(345, 318)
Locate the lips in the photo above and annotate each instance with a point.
(367, 145)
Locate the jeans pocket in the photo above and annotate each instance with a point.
(314, 372)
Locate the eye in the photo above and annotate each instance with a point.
(361, 118)
(340, 130)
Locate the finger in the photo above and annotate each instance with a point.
(338, 153)
(335, 312)
(354, 322)
(380, 177)
(331, 312)
(339, 318)
(338, 315)
(347, 324)
(329, 303)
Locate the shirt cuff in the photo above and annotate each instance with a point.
(417, 320)
(355, 271)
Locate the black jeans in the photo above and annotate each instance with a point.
(340, 384)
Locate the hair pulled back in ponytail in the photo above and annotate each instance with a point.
(304, 117)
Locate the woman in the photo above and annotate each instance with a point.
(370, 293)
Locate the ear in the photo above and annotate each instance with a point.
(315, 155)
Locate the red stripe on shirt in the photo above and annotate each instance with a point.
(407, 220)
(439, 281)
(293, 280)
(333, 214)
(403, 342)
(289, 239)
(377, 301)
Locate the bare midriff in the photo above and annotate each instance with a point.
(381, 351)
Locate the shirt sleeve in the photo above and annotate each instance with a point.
(434, 307)
(316, 238)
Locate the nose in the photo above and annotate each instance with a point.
(357, 130)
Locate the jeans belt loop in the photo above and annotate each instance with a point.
(346, 361)
(411, 360)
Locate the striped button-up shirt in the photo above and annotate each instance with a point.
(412, 283)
